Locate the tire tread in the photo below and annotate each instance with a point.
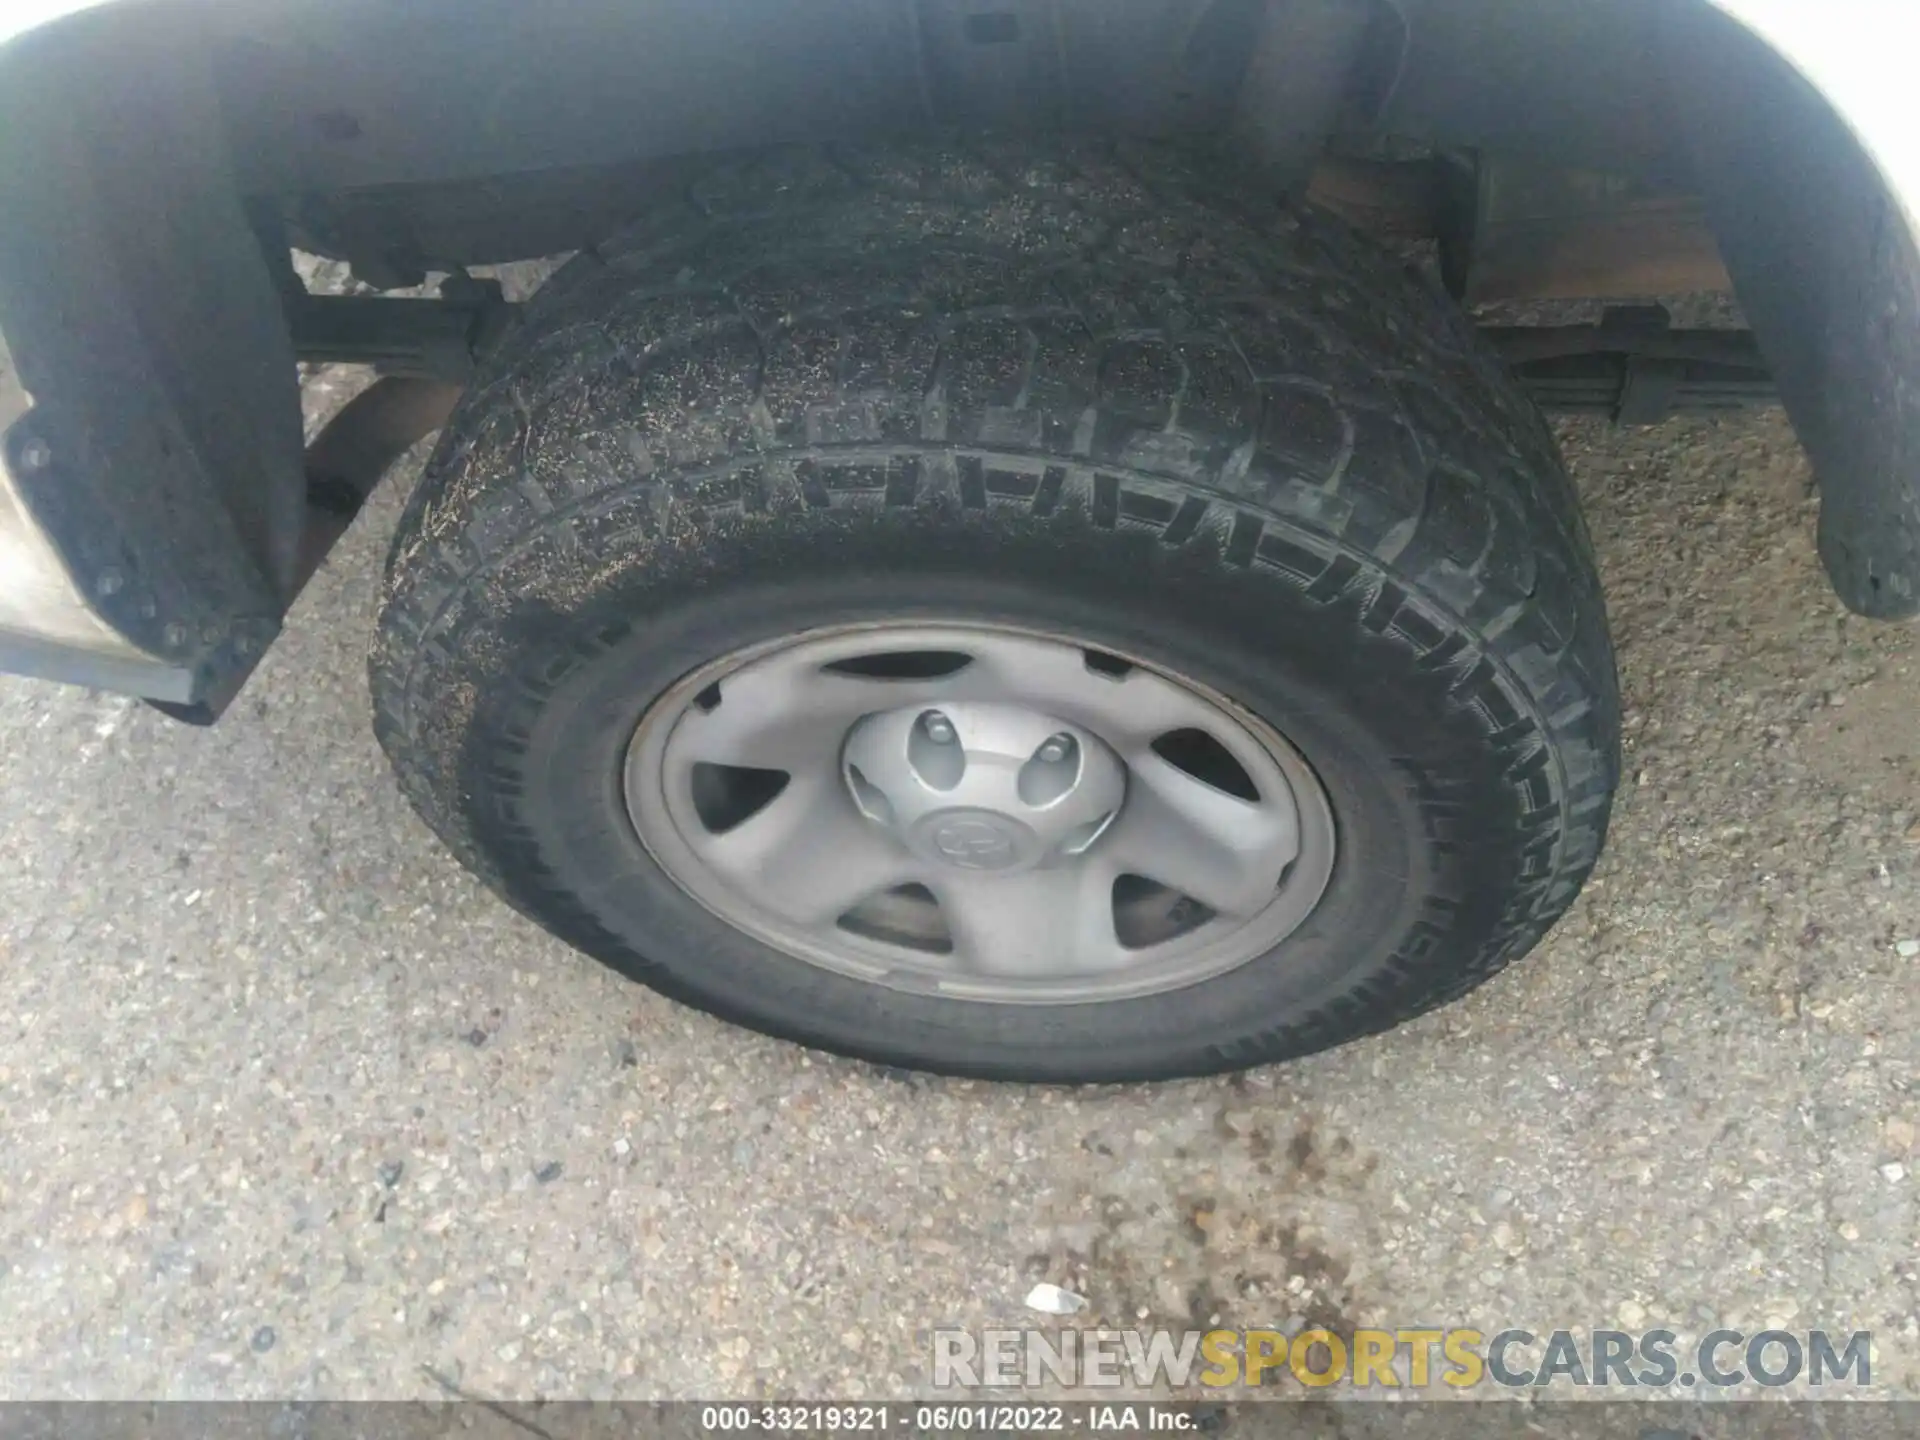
(1003, 328)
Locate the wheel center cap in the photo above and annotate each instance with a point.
(983, 787)
(978, 839)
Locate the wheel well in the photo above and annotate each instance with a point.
(155, 160)
(469, 131)
(447, 133)
(466, 131)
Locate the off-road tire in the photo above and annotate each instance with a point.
(1078, 386)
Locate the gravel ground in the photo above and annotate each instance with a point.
(293, 1107)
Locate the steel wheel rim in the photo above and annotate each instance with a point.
(806, 869)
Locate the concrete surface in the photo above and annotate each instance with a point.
(292, 1107)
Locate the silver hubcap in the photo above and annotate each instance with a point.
(977, 811)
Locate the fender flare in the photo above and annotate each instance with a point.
(1804, 140)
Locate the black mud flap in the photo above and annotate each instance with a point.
(1825, 265)
(162, 459)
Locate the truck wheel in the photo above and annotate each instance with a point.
(1006, 611)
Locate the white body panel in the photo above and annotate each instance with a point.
(19, 16)
(1859, 55)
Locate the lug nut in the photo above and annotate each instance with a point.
(1056, 749)
(939, 729)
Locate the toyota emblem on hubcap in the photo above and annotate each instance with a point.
(975, 842)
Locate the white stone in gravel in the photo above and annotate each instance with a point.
(1907, 949)
(1894, 1171)
(1052, 1300)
